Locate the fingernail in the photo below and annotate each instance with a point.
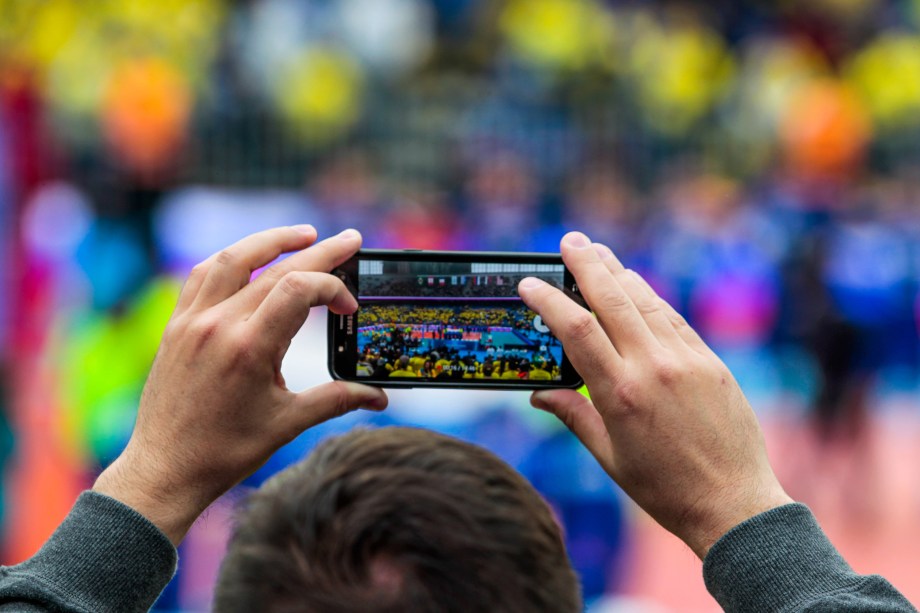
(530, 283)
(348, 234)
(603, 251)
(304, 228)
(577, 240)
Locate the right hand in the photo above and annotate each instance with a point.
(215, 405)
(667, 420)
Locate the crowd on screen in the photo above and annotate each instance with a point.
(456, 341)
(472, 316)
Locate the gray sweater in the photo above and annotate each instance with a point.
(107, 557)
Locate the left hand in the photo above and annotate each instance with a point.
(215, 405)
(666, 419)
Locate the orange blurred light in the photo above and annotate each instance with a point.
(146, 111)
(825, 130)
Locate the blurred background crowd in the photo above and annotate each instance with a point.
(757, 161)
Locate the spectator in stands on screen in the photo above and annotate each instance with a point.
(402, 368)
(428, 369)
(487, 370)
(510, 368)
(417, 362)
(440, 363)
(538, 370)
(364, 368)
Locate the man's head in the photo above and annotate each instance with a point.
(397, 519)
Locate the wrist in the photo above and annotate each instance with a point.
(168, 508)
(704, 534)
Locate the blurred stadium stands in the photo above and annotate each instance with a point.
(758, 162)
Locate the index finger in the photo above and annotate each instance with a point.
(321, 257)
(615, 309)
(584, 342)
(224, 273)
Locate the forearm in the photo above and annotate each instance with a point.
(782, 561)
(105, 556)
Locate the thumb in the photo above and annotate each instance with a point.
(323, 402)
(580, 416)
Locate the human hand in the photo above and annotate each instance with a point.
(215, 405)
(667, 420)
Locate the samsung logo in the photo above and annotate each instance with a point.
(349, 325)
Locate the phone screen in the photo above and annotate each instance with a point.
(457, 320)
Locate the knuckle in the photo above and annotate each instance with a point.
(613, 301)
(647, 306)
(677, 320)
(174, 327)
(242, 348)
(227, 257)
(626, 393)
(273, 274)
(199, 271)
(665, 370)
(341, 401)
(204, 328)
(580, 326)
(294, 284)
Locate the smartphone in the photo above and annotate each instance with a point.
(448, 319)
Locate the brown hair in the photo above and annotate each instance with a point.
(397, 519)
